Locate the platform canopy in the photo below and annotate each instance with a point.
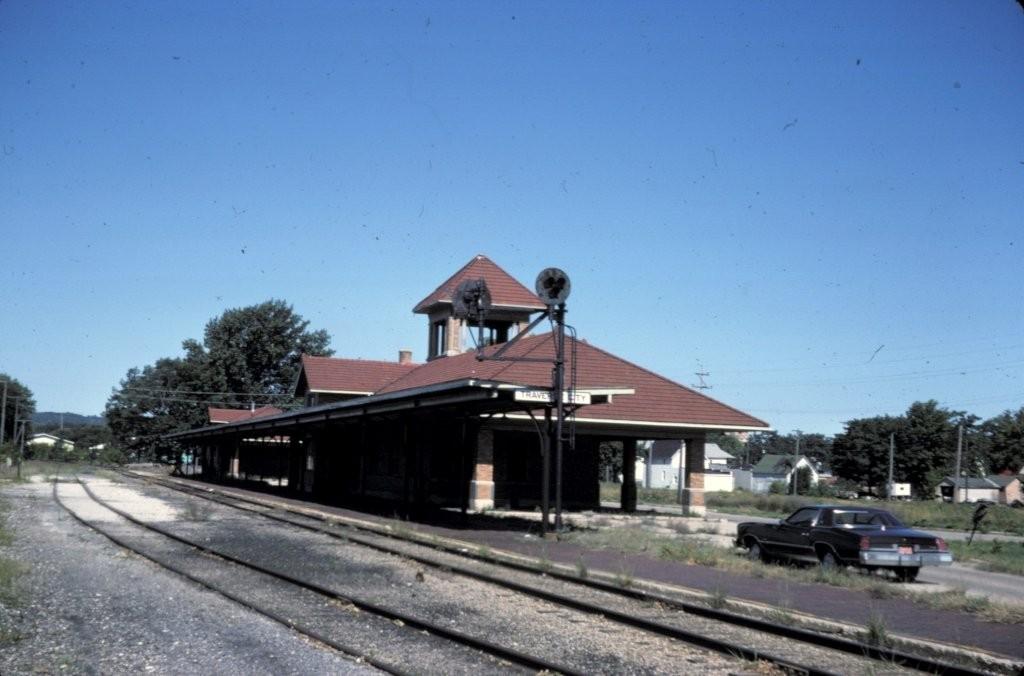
(469, 396)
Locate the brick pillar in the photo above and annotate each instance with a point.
(628, 495)
(453, 345)
(693, 486)
(481, 486)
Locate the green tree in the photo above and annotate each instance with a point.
(1005, 436)
(256, 349)
(861, 452)
(20, 399)
(802, 476)
(728, 443)
(926, 442)
(761, 444)
(610, 459)
(817, 447)
(150, 403)
(247, 354)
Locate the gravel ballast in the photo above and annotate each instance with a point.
(88, 607)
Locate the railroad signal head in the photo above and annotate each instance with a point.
(471, 299)
(553, 286)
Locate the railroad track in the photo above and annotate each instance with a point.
(381, 538)
(511, 660)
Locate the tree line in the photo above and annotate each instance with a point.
(21, 405)
(925, 439)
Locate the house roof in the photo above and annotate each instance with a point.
(713, 451)
(973, 482)
(1002, 480)
(54, 438)
(505, 291)
(230, 415)
(656, 400)
(666, 449)
(347, 376)
(774, 463)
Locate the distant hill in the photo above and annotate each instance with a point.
(70, 419)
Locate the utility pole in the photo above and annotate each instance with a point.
(892, 447)
(3, 414)
(796, 459)
(20, 436)
(959, 448)
(701, 374)
(17, 406)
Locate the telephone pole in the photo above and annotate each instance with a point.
(21, 443)
(701, 374)
(796, 460)
(3, 414)
(959, 448)
(892, 447)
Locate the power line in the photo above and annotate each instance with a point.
(880, 362)
(909, 375)
(1016, 396)
(197, 400)
(184, 391)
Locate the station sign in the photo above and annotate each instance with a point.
(544, 397)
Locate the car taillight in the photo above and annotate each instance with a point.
(941, 545)
(865, 542)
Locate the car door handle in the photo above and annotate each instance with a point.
(805, 534)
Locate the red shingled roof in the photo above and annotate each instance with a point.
(505, 290)
(657, 399)
(229, 415)
(355, 376)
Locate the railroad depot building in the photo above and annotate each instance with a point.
(458, 431)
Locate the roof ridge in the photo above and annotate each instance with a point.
(429, 300)
(361, 360)
(491, 348)
(669, 380)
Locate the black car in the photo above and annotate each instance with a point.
(839, 535)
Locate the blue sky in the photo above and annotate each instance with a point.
(770, 191)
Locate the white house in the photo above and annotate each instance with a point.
(660, 465)
(772, 468)
(44, 439)
(995, 488)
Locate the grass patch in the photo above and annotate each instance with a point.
(544, 565)
(401, 529)
(876, 633)
(624, 576)
(612, 492)
(582, 572)
(695, 552)
(718, 598)
(10, 570)
(1000, 556)
(921, 513)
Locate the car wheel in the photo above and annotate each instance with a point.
(907, 574)
(829, 561)
(756, 553)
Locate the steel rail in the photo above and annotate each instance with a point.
(525, 660)
(650, 626)
(280, 619)
(849, 646)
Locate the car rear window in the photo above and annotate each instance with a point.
(863, 519)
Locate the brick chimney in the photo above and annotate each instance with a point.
(405, 356)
